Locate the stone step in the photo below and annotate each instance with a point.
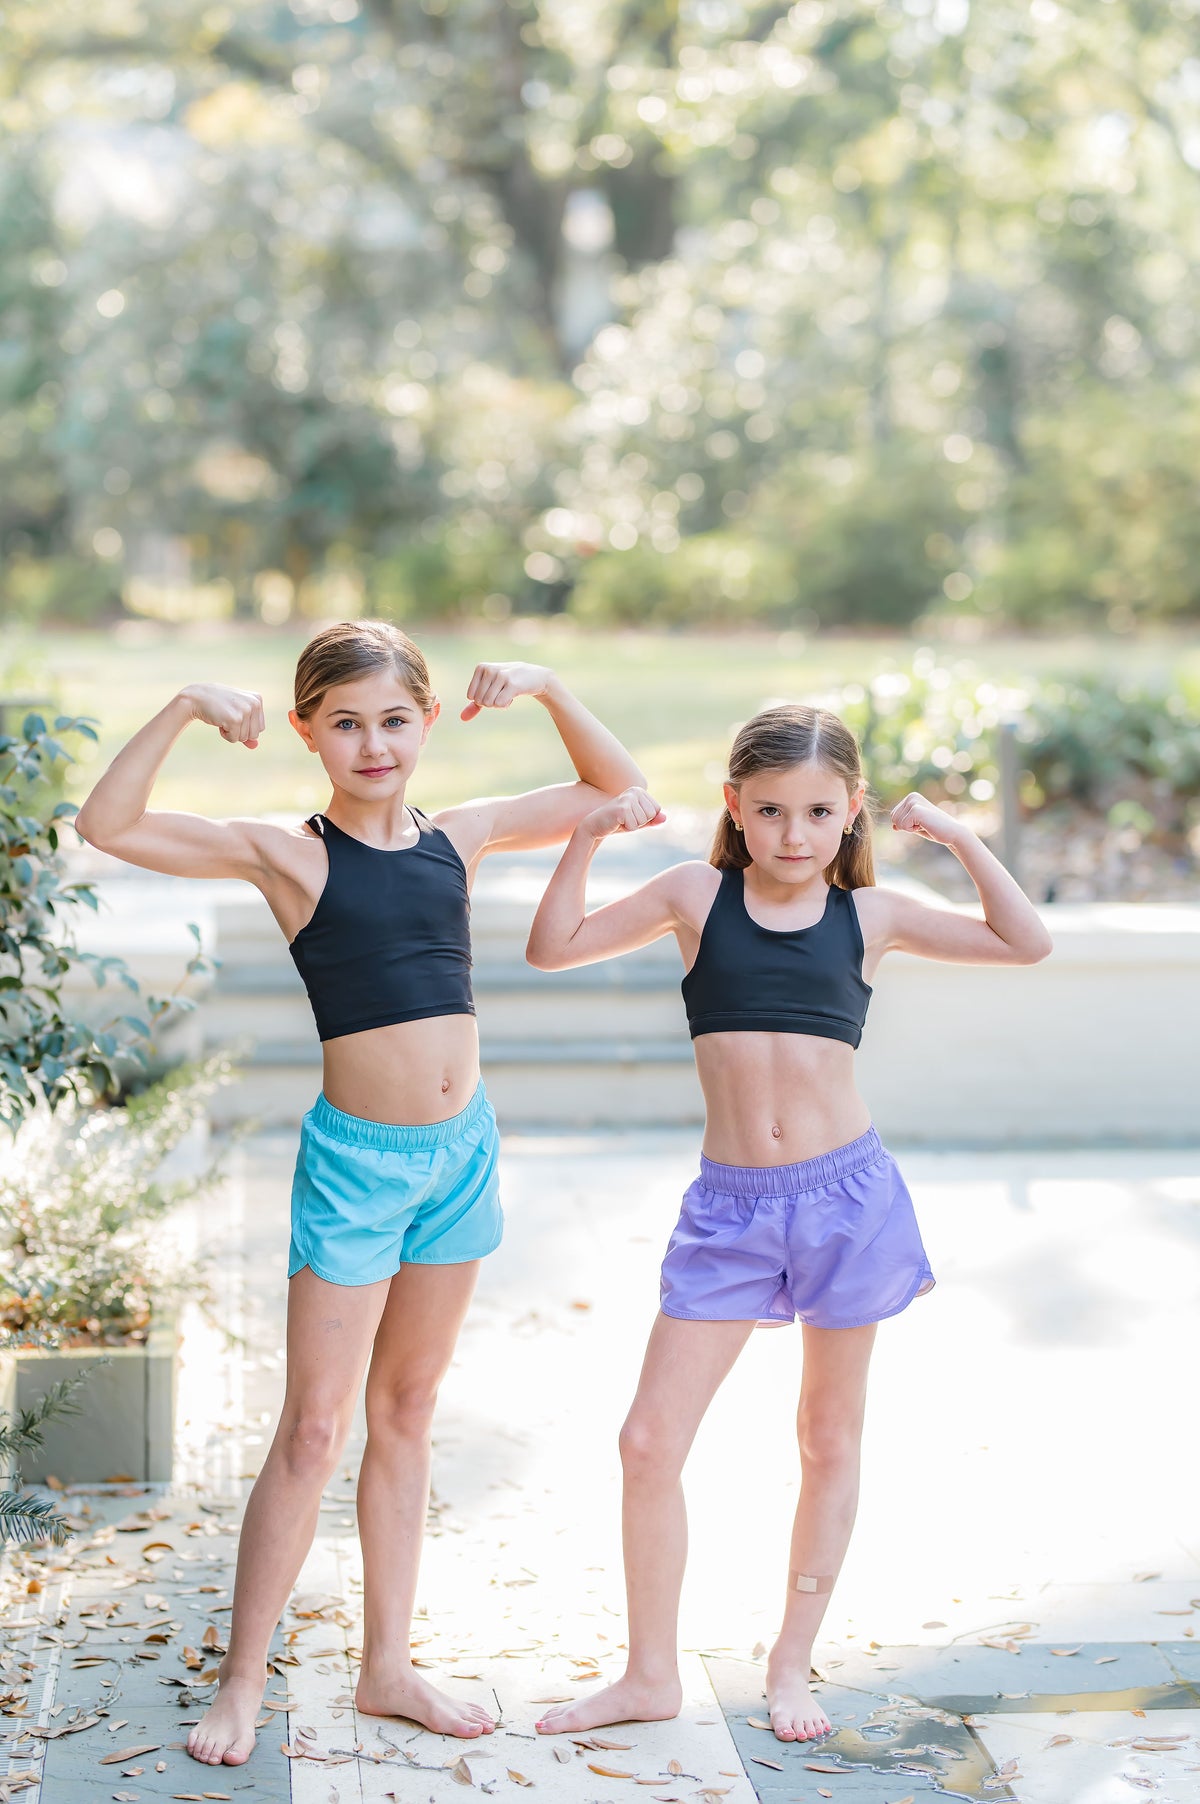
(514, 1011)
(538, 1084)
(649, 969)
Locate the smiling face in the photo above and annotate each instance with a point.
(794, 818)
(368, 734)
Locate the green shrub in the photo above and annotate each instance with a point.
(1126, 751)
(83, 1196)
(709, 579)
(45, 1047)
(446, 577)
(78, 591)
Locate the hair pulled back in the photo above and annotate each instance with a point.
(354, 648)
(778, 739)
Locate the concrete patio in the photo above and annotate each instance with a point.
(1016, 1618)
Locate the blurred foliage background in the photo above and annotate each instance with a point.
(831, 332)
(706, 311)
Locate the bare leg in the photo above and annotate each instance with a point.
(829, 1425)
(329, 1333)
(413, 1347)
(684, 1367)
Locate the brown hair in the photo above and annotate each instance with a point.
(354, 648)
(777, 739)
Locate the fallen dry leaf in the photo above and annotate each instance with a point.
(563, 1754)
(823, 1766)
(612, 1747)
(1104, 1660)
(1066, 1652)
(1058, 1741)
(1140, 1578)
(462, 1772)
(119, 1759)
(774, 1764)
(758, 1722)
(518, 1778)
(674, 1768)
(608, 1772)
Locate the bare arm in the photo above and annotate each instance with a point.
(1011, 932)
(541, 817)
(115, 818)
(564, 934)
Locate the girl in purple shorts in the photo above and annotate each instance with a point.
(798, 1211)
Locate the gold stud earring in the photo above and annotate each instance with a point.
(738, 827)
(848, 829)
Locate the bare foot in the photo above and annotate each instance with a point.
(794, 1712)
(225, 1733)
(628, 1701)
(401, 1693)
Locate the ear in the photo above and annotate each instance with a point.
(732, 802)
(857, 798)
(431, 714)
(303, 728)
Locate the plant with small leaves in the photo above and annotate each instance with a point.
(83, 1201)
(48, 1047)
(33, 1518)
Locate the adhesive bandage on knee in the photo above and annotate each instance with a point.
(820, 1585)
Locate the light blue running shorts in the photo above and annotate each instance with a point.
(368, 1197)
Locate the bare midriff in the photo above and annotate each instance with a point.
(772, 1099)
(407, 1075)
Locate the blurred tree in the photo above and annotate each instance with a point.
(410, 304)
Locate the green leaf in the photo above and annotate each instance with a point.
(31, 1519)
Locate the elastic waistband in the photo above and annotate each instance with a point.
(355, 1130)
(787, 1180)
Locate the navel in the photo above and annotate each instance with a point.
(445, 1085)
(776, 1131)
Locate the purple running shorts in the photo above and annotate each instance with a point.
(832, 1240)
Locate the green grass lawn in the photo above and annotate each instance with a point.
(674, 698)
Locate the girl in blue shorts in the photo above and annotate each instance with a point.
(395, 1198)
(798, 1211)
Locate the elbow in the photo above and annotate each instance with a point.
(86, 831)
(1039, 946)
(540, 958)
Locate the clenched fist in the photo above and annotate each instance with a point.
(499, 685)
(624, 814)
(237, 714)
(915, 815)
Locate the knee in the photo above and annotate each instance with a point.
(311, 1442)
(828, 1443)
(645, 1451)
(401, 1412)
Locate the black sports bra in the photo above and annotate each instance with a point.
(390, 937)
(751, 979)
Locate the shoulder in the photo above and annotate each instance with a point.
(467, 825)
(280, 849)
(690, 888)
(875, 910)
